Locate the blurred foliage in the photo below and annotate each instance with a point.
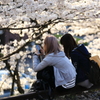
(57, 35)
(86, 43)
(78, 39)
(1, 55)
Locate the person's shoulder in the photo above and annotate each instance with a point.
(78, 47)
(75, 50)
(60, 53)
(81, 45)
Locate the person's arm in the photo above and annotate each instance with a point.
(39, 66)
(75, 60)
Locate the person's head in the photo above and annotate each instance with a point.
(68, 43)
(51, 45)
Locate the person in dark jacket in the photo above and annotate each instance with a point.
(77, 55)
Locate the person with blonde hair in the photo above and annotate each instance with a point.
(64, 71)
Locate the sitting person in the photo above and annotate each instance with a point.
(80, 62)
(64, 71)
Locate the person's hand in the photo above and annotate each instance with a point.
(37, 53)
(41, 52)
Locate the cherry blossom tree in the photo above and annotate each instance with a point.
(38, 18)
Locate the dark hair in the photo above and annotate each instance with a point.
(68, 43)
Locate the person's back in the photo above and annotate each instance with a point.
(63, 69)
(80, 62)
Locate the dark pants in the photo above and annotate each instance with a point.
(62, 89)
(47, 74)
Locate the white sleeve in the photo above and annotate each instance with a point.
(35, 60)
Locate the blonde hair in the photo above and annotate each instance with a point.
(51, 45)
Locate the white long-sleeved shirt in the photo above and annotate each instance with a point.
(64, 71)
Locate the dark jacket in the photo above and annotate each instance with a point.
(80, 62)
